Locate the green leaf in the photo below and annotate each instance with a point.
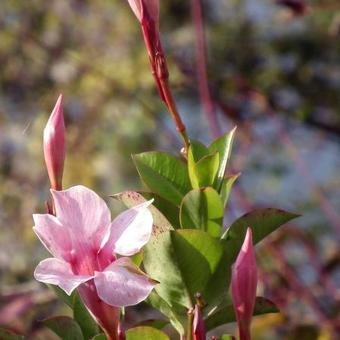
(137, 258)
(223, 146)
(84, 319)
(197, 151)
(226, 186)
(163, 174)
(203, 173)
(226, 337)
(68, 299)
(202, 209)
(169, 210)
(6, 334)
(145, 333)
(65, 327)
(176, 314)
(262, 223)
(226, 314)
(182, 261)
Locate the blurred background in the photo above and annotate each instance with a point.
(273, 68)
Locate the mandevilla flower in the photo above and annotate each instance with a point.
(243, 286)
(54, 145)
(85, 245)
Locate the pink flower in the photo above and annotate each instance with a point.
(54, 145)
(243, 286)
(85, 244)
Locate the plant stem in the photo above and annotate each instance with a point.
(189, 324)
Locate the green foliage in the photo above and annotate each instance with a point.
(226, 187)
(6, 334)
(183, 261)
(261, 221)
(65, 327)
(164, 175)
(222, 145)
(145, 333)
(226, 313)
(202, 209)
(84, 319)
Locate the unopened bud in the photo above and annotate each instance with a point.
(54, 145)
(243, 286)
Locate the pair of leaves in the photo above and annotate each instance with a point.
(207, 165)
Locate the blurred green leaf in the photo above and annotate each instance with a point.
(65, 327)
(226, 314)
(222, 145)
(100, 336)
(175, 313)
(145, 333)
(163, 174)
(182, 261)
(84, 319)
(203, 172)
(155, 323)
(226, 337)
(226, 186)
(6, 334)
(68, 299)
(202, 209)
(261, 221)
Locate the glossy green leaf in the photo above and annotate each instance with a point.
(226, 314)
(6, 334)
(163, 174)
(202, 209)
(226, 187)
(84, 319)
(197, 151)
(132, 198)
(183, 261)
(145, 333)
(262, 223)
(65, 327)
(203, 173)
(223, 146)
(175, 313)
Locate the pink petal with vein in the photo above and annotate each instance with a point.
(53, 235)
(58, 272)
(84, 213)
(123, 284)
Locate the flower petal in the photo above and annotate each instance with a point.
(123, 284)
(58, 272)
(53, 235)
(84, 213)
(130, 230)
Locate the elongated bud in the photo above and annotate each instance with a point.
(145, 9)
(54, 145)
(198, 326)
(243, 286)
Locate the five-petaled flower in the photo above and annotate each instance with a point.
(86, 244)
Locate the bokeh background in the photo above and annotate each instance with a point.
(273, 70)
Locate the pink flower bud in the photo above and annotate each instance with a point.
(198, 326)
(145, 9)
(243, 286)
(54, 145)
